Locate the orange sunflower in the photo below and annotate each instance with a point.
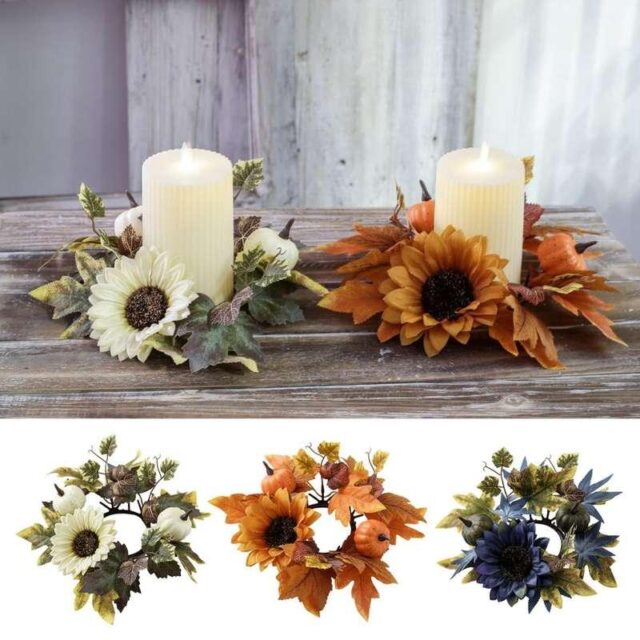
(271, 527)
(440, 286)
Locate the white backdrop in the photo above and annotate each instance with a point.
(429, 462)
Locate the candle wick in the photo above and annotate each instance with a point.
(484, 152)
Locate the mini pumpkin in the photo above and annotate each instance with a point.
(68, 500)
(372, 538)
(560, 254)
(274, 244)
(422, 214)
(130, 217)
(474, 528)
(174, 523)
(278, 479)
(572, 515)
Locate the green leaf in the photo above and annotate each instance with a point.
(269, 305)
(568, 460)
(91, 202)
(187, 557)
(101, 580)
(248, 174)
(37, 535)
(502, 458)
(246, 267)
(80, 598)
(210, 344)
(471, 505)
(45, 557)
(602, 572)
(150, 538)
(538, 484)
(50, 516)
(166, 345)
(569, 580)
(146, 476)
(70, 296)
(103, 605)
(490, 485)
(108, 445)
(168, 468)
(91, 471)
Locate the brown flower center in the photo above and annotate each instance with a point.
(146, 306)
(281, 530)
(85, 543)
(516, 562)
(445, 292)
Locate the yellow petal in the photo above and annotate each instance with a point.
(410, 333)
(401, 277)
(403, 298)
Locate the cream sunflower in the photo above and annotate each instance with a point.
(81, 539)
(440, 286)
(137, 300)
(271, 527)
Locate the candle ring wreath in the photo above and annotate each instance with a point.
(81, 538)
(437, 286)
(274, 526)
(506, 554)
(134, 299)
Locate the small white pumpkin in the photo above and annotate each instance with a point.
(131, 217)
(174, 523)
(274, 244)
(68, 500)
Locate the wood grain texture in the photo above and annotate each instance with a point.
(322, 367)
(186, 75)
(348, 96)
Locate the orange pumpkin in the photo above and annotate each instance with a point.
(278, 479)
(372, 538)
(421, 215)
(559, 254)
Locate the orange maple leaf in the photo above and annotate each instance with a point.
(373, 258)
(399, 513)
(516, 325)
(310, 585)
(360, 571)
(367, 238)
(361, 299)
(286, 462)
(356, 495)
(235, 505)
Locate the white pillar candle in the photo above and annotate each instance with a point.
(481, 192)
(187, 200)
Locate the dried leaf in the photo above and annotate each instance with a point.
(533, 296)
(234, 506)
(129, 242)
(227, 313)
(532, 213)
(367, 238)
(310, 585)
(330, 450)
(361, 299)
(379, 459)
(373, 258)
(528, 162)
(399, 513)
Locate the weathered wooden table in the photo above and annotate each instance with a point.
(324, 367)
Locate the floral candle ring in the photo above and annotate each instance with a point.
(507, 552)
(275, 526)
(81, 539)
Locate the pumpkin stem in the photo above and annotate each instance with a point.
(185, 516)
(425, 193)
(581, 247)
(465, 521)
(268, 468)
(131, 199)
(383, 538)
(284, 234)
(59, 491)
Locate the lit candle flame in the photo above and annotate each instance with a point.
(186, 156)
(484, 153)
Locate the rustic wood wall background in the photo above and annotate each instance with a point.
(342, 97)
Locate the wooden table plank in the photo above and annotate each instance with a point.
(324, 366)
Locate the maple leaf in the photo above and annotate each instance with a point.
(69, 296)
(515, 325)
(360, 571)
(397, 514)
(361, 299)
(210, 344)
(330, 450)
(269, 305)
(309, 584)
(379, 459)
(470, 505)
(304, 464)
(234, 506)
(528, 162)
(368, 238)
(356, 495)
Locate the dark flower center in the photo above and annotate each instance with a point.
(85, 543)
(445, 292)
(145, 307)
(516, 562)
(281, 530)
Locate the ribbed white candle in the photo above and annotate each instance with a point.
(187, 200)
(481, 191)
